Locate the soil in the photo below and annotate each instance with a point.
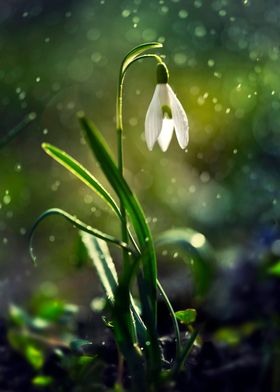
(250, 365)
(213, 367)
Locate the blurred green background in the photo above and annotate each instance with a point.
(59, 57)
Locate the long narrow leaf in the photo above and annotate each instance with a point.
(12, 133)
(101, 258)
(99, 254)
(122, 316)
(80, 172)
(137, 51)
(77, 223)
(137, 217)
(104, 157)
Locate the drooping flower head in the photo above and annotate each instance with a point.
(165, 113)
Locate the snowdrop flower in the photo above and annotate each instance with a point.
(165, 114)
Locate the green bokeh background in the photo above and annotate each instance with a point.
(61, 57)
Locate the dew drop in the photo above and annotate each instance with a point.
(18, 167)
(183, 14)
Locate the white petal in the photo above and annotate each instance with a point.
(153, 120)
(166, 133)
(180, 119)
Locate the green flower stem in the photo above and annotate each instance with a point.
(119, 119)
(184, 354)
(120, 162)
(153, 350)
(174, 320)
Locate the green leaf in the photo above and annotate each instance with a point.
(275, 269)
(86, 360)
(228, 335)
(99, 254)
(198, 253)
(187, 316)
(123, 322)
(78, 345)
(137, 51)
(18, 316)
(81, 255)
(42, 381)
(137, 217)
(34, 356)
(77, 223)
(83, 174)
(55, 310)
(104, 157)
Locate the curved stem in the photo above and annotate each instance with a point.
(153, 350)
(119, 121)
(174, 320)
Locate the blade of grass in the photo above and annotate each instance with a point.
(103, 155)
(77, 223)
(119, 301)
(137, 217)
(80, 172)
(86, 177)
(99, 254)
(17, 129)
(74, 167)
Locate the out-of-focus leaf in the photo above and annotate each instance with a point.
(197, 251)
(86, 359)
(51, 310)
(187, 316)
(135, 52)
(55, 309)
(230, 336)
(17, 129)
(34, 356)
(42, 381)
(18, 341)
(275, 269)
(78, 345)
(81, 255)
(18, 316)
(233, 335)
